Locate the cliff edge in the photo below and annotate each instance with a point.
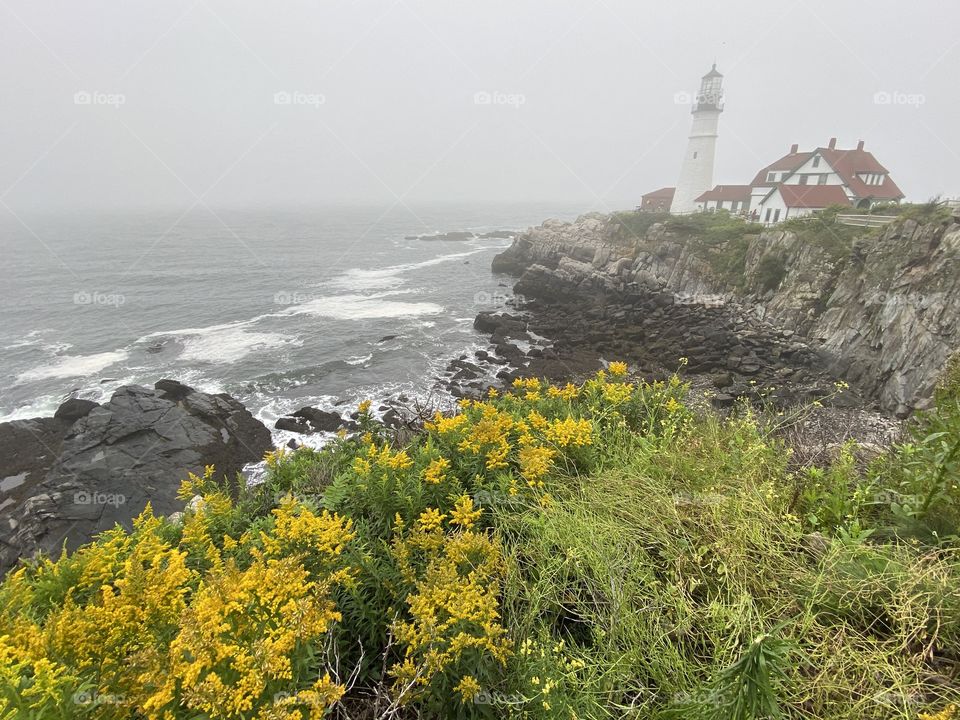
(881, 306)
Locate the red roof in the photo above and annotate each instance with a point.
(812, 196)
(847, 163)
(726, 192)
(789, 163)
(666, 193)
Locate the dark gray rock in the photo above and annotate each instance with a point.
(320, 420)
(74, 409)
(78, 479)
(296, 425)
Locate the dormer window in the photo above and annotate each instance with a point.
(771, 177)
(816, 161)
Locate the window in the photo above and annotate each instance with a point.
(771, 177)
(694, 154)
(803, 179)
(776, 215)
(816, 161)
(766, 218)
(822, 180)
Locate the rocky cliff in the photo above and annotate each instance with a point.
(880, 307)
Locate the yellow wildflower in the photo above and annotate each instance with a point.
(431, 519)
(468, 688)
(463, 513)
(570, 432)
(535, 462)
(617, 369)
(435, 472)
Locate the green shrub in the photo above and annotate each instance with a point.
(592, 551)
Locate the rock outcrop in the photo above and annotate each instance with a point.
(882, 312)
(91, 466)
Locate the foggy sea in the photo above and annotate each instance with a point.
(280, 309)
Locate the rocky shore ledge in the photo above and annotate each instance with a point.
(781, 312)
(66, 478)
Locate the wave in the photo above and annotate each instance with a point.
(225, 343)
(362, 307)
(67, 366)
(387, 277)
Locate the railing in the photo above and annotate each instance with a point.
(866, 220)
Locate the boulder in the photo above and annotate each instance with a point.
(74, 409)
(296, 425)
(320, 420)
(74, 479)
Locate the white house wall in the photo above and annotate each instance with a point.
(773, 203)
(814, 174)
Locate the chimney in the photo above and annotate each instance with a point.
(794, 148)
(832, 144)
(860, 145)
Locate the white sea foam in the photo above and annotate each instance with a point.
(362, 307)
(43, 406)
(388, 277)
(67, 366)
(226, 345)
(359, 359)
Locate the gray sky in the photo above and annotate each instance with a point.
(182, 102)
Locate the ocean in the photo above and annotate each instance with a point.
(279, 308)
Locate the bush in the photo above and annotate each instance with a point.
(771, 270)
(581, 551)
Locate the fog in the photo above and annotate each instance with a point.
(220, 102)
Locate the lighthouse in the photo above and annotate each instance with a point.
(696, 171)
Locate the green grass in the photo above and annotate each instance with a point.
(677, 565)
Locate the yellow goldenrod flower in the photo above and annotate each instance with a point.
(468, 688)
(617, 369)
(463, 513)
(435, 472)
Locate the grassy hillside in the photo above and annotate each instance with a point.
(594, 551)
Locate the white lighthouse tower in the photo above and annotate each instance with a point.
(696, 172)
